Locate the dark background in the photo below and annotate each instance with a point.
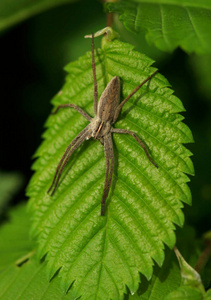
(32, 57)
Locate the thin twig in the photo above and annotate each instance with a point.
(110, 16)
(204, 257)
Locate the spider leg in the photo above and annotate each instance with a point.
(118, 130)
(119, 107)
(69, 150)
(94, 76)
(106, 152)
(109, 156)
(81, 111)
(102, 141)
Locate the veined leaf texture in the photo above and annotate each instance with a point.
(99, 256)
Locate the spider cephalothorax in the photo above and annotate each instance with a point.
(100, 127)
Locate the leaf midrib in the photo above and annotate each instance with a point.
(194, 28)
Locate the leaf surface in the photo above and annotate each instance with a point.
(14, 239)
(208, 295)
(30, 282)
(167, 279)
(101, 255)
(191, 284)
(164, 280)
(21, 275)
(185, 292)
(169, 23)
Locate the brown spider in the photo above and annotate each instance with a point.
(100, 128)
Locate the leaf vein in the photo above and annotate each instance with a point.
(194, 27)
(28, 283)
(151, 184)
(124, 260)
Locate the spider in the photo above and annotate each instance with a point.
(100, 128)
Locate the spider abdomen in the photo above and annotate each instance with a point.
(109, 100)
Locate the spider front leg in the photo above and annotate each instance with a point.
(78, 140)
(118, 130)
(109, 156)
(117, 112)
(80, 110)
(94, 77)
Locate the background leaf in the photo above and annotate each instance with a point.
(208, 295)
(26, 280)
(168, 278)
(30, 282)
(12, 12)
(10, 183)
(169, 24)
(103, 254)
(14, 237)
(164, 280)
(185, 292)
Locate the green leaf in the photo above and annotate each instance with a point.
(190, 277)
(191, 284)
(168, 278)
(21, 275)
(30, 282)
(164, 280)
(186, 293)
(169, 23)
(14, 238)
(10, 183)
(208, 295)
(12, 12)
(102, 255)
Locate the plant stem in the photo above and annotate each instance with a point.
(109, 19)
(110, 16)
(204, 257)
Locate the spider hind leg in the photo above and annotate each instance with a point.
(109, 156)
(118, 130)
(78, 140)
